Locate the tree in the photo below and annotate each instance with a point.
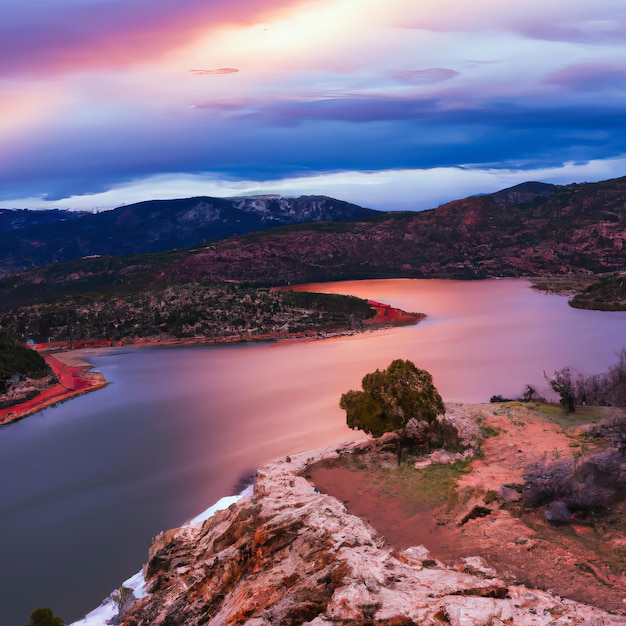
(561, 382)
(530, 394)
(44, 617)
(392, 400)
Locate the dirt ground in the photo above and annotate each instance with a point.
(473, 508)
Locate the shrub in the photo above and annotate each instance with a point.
(44, 617)
(593, 485)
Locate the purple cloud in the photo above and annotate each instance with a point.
(603, 32)
(39, 38)
(590, 76)
(429, 76)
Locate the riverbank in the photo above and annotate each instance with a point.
(75, 378)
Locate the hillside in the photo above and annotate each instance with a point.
(581, 229)
(18, 362)
(607, 294)
(33, 238)
(209, 312)
(12, 220)
(575, 230)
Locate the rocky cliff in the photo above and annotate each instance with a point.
(291, 555)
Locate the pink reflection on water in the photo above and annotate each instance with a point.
(482, 338)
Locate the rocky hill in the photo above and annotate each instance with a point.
(32, 238)
(580, 229)
(17, 219)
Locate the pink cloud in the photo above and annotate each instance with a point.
(113, 34)
(219, 70)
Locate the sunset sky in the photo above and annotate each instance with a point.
(394, 104)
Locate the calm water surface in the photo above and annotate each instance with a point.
(85, 485)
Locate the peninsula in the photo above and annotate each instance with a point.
(306, 316)
(343, 535)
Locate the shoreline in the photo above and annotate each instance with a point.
(296, 527)
(76, 378)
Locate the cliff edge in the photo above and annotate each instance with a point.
(291, 555)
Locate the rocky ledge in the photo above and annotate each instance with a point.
(291, 555)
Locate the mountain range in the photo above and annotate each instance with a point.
(29, 238)
(530, 230)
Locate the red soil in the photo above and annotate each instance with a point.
(77, 380)
(73, 381)
(386, 314)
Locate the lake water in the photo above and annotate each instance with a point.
(85, 486)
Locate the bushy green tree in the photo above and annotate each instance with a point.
(44, 617)
(391, 399)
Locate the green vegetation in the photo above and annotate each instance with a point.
(18, 360)
(569, 421)
(400, 399)
(391, 398)
(434, 486)
(210, 312)
(430, 487)
(607, 294)
(44, 617)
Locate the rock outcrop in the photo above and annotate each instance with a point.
(291, 555)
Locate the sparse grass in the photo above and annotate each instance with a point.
(489, 431)
(569, 421)
(490, 496)
(563, 285)
(433, 486)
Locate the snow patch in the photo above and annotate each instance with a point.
(104, 614)
(221, 504)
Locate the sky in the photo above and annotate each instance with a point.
(394, 104)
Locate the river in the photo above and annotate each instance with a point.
(87, 484)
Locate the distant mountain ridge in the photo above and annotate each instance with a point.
(525, 192)
(33, 238)
(580, 230)
(16, 219)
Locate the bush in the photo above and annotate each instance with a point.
(612, 429)
(606, 389)
(44, 617)
(499, 398)
(401, 399)
(593, 485)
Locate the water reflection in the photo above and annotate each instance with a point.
(86, 485)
